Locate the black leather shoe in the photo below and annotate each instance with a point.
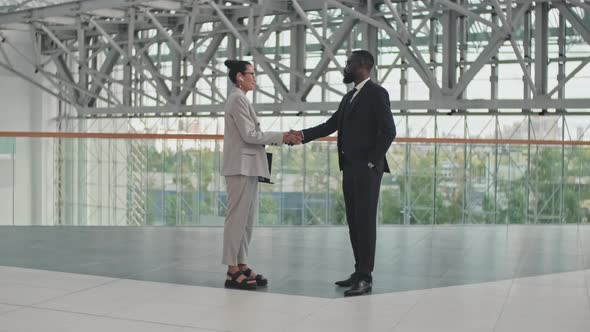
(361, 287)
(348, 282)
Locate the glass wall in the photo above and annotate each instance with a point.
(90, 181)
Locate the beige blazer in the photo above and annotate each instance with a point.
(243, 142)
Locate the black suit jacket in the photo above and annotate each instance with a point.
(365, 130)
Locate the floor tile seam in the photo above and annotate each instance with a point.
(484, 296)
(16, 308)
(309, 297)
(20, 269)
(548, 286)
(402, 316)
(178, 259)
(503, 308)
(521, 254)
(207, 252)
(118, 318)
(419, 240)
(221, 306)
(464, 252)
(526, 283)
(54, 274)
(37, 270)
(546, 313)
(430, 233)
(24, 284)
(474, 284)
(519, 266)
(215, 306)
(76, 291)
(298, 296)
(131, 275)
(307, 316)
(220, 288)
(586, 271)
(210, 310)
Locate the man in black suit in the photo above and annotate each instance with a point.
(365, 132)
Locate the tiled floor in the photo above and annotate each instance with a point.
(37, 300)
(472, 278)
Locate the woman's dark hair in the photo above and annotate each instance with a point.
(235, 67)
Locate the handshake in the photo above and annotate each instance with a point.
(292, 137)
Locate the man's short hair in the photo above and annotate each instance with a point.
(365, 58)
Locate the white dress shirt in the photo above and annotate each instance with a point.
(358, 87)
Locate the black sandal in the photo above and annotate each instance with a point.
(260, 280)
(244, 284)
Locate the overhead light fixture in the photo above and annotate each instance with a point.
(164, 4)
(62, 20)
(107, 12)
(15, 26)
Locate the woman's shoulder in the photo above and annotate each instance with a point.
(237, 98)
(236, 95)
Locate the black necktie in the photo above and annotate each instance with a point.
(345, 110)
(349, 100)
(352, 92)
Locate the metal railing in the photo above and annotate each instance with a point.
(174, 179)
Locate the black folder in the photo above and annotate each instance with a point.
(262, 178)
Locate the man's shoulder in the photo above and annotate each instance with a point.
(375, 87)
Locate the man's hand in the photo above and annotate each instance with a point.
(292, 138)
(297, 134)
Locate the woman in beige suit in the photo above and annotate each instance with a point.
(244, 160)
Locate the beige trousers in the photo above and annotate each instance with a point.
(242, 204)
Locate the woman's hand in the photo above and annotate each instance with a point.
(292, 137)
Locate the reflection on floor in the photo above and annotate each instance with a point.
(303, 260)
(472, 278)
